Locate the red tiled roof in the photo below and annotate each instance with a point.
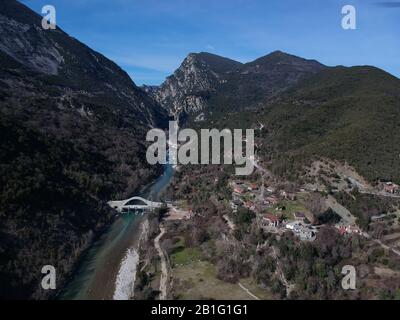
(238, 190)
(271, 217)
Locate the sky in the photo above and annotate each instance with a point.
(149, 39)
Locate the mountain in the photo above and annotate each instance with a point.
(267, 77)
(309, 110)
(207, 81)
(73, 127)
(53, 61)
(189, 88)
(349, 114)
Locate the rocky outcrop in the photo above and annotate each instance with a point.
(206, 81)
(187, 91)
(34, 60)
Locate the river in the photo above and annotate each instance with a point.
(114, 254)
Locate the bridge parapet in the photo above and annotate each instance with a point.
(147, 204)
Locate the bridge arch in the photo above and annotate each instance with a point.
(139, 199)
(143, 204)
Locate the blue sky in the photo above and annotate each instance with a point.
(149, 39)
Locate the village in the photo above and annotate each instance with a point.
(279, 211)
(391, 187)
(271, 209)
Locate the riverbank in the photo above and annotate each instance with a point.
(96, 277)
(125, 281)
(108, 270)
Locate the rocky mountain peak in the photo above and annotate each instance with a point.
(78, 77)
(205, 78)
(186, 91)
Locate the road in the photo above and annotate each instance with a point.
(248, 292)
(350, 219)
(164, 266)
(380, 193)
(384, 246)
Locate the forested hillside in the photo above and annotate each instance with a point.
(72, 127)
(50, 206)
(347, 114)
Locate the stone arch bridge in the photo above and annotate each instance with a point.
(135, 203)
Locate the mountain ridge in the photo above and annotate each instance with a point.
(198, 84)
(73, 127)
(346, 114)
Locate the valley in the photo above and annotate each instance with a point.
(72, 128)
(317, 191)
(324, 192)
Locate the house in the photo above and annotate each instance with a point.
(249, 205)
(304, 232)
(235, 203)
(299, 216)
(238, 190)
(233, 206)
(391, 187)
(353, 229)
(270, 189)
(272, 200)
(235, 183)
(270, 220)
(252, 187)
(294, 226)
(307, 234)
(347, 229)
(342, 230)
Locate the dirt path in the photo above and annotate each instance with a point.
(381, 193)
(384, 246)
(248, 292)
(289, 287)
(164, 267)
